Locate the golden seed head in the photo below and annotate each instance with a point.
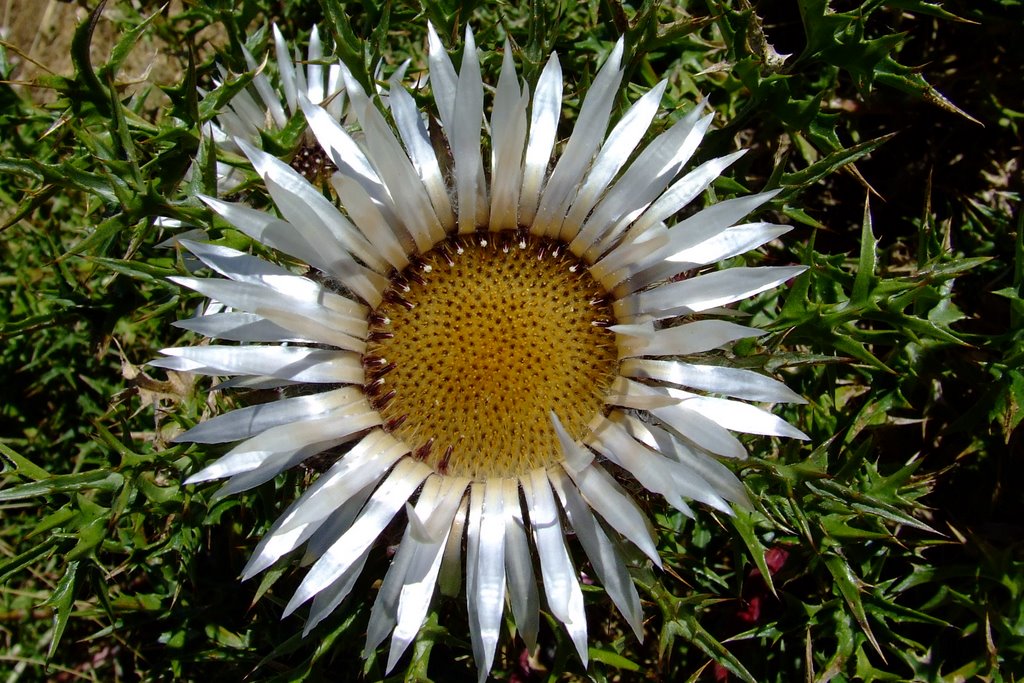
(479, 340)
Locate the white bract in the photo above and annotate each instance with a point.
(271, 100)
(401, 222)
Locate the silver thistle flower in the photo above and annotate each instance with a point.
(481, 343)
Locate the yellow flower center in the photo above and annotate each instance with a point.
(478, 341)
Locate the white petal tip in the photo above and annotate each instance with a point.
(417, 527)
(247, 574)
(433, 39)
(293, 605)
(395, 656)
(577, 458)
(244, 145)
(256, 564)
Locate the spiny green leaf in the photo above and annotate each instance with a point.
(137, 269)
(612, 659)
(82, 59)
(346, 43)
(868, 503)
(903, 78)
(829, 164)
(15, 463)
(62, 600)
(849, 587)
(125, 44)
(91, 531)
(54, 520)
(100, 480)
(743, 521)
(33, 556)
(867, 263)
(918, 7)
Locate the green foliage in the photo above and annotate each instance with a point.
(888, 549)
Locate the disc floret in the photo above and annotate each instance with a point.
(477, 341)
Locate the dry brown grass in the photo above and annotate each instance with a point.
(38, 36)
